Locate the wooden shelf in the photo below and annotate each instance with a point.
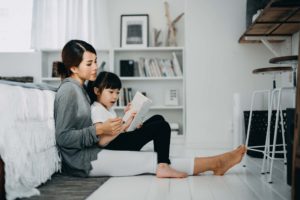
(279, 18)
(151, 78)
(148, 49)
(155, 108)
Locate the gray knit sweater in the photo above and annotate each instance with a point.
(75, 134)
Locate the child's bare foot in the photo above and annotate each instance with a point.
(165, 171)
(228, 160)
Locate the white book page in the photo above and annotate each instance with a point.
(140, 104)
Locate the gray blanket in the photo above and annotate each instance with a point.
(62, 187)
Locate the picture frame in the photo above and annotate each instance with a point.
(134, 31)
(172, 97)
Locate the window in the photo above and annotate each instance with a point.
(15, 29)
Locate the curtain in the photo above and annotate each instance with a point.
(54, 22)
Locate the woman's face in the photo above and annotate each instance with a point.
(87, 69)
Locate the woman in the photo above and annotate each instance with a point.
(77, 137)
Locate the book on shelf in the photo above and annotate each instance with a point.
(102, 66)
(125, 96)
(129, 94)
(127, 67)
(152, 67)
(168, 67)
(55, 70)
(140, 104)
(174, 129)
(136, 71)
(141, 67)
(176, 65)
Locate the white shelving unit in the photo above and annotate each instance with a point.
(155, 87)
(48, 57)
(51, 55)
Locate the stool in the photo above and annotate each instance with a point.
(268, 154)
(293, 60)
(273, 71)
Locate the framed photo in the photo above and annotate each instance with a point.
(134, 31)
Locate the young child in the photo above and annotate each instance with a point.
(106, 89)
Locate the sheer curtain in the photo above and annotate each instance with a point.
(54, 22)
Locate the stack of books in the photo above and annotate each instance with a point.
(151, 67)
(174, 129)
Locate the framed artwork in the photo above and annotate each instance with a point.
(134, 31)
(172, 97)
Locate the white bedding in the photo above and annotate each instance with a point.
(27, 139)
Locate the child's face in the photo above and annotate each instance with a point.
(108, 97)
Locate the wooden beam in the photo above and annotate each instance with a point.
(2, 186)
(296, 147)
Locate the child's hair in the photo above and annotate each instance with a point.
(104, 80)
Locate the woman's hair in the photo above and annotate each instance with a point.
(72, 55)
(104, 80)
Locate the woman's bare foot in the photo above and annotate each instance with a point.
(228, 160)
(165, 171)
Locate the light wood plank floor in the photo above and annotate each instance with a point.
(238, 183)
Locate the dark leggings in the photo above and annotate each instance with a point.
(156, 129)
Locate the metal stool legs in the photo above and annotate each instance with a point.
(270, 156)
(255, 148)
(269, 150)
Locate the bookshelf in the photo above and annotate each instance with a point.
(155, 87)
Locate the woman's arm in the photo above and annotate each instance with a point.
(105, 138)
(72, 115)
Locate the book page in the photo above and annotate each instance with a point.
(140, 104)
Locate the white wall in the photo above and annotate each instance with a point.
(217, 67)
(156, 12)
(21, 64)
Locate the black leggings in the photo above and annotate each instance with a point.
(156, 129)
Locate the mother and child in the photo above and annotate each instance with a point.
(92, 140)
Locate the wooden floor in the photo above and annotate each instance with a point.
(239, 183)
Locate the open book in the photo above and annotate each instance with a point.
(140, 104)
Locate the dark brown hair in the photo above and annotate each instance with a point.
(103, 81)
(72, 55)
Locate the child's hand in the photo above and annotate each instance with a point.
(139, 126)
(127, 107)
(128, 122)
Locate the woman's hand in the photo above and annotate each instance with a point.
(109, 127)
